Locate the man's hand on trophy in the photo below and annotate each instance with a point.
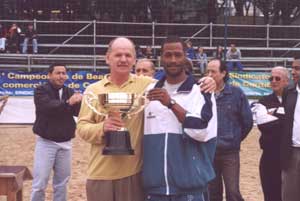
(207, 84)
(113, 122)
(159, 94)
(75, 98)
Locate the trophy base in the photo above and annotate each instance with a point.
(117, 152)
(117, 143)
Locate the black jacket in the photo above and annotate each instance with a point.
(30, 34)
(54, 117)
(271, 132)
(289, 102)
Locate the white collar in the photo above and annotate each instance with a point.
(297, 88)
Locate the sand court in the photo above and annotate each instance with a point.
(17, 147)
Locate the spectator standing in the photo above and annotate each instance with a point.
(234, 53)
(269, 114)
(55, 106)
(201, 59)
(13, 39)
(234, 124)
(179, 133)
(30, 35)
(290, 141)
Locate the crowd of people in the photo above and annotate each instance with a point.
(186, 142)
(200, 57)
(10, 39)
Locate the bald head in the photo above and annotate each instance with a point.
(121, 41)
(120, 58)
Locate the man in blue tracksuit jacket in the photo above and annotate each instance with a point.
(179, 133)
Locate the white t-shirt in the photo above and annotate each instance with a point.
(296, 125)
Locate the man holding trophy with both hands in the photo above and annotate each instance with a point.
(111, 120)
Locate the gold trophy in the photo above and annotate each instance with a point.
(128, 104)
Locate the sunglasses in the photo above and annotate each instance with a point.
(272, 78)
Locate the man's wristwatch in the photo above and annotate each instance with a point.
(171, 103)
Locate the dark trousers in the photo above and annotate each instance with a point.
(291, 178)
(270, 175)
(227, 168)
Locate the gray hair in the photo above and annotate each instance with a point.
(284, 71)
(146, 60)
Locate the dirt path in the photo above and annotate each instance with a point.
(17, 147)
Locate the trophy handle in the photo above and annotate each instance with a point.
(89, 97)
(139, 104)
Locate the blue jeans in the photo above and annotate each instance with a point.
(231, 64)
(185, 197)
(227, 168)
(34, 45)
(50, 155)
(202, 66)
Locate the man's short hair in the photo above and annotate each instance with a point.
(51, 67)
(222, 68)
(173, 39)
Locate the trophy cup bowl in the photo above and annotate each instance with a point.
(128, 104)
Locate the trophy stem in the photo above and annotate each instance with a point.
(118, 143)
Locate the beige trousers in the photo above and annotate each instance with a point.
(126, 189)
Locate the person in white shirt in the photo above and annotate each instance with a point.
(290, 144)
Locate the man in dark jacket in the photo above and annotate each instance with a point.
(269, 114)
(54, 126)
(290, 143)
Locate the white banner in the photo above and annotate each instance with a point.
(18, 110)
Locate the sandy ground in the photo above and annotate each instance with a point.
(17, 147)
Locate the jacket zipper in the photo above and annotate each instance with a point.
(165, 164)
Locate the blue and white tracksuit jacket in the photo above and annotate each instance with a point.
(178, 157)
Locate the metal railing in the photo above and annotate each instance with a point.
(31, 62)
(54, 35)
